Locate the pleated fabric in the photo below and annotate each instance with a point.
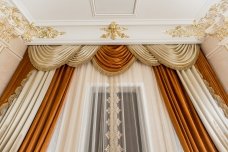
(113, 60)
(18, 118)
(79, 120)
(16, 83)
(189, 128)
(209, 75)
(40, 132)
(209, 112)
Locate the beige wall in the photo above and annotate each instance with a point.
(10, 55)
(217, 55)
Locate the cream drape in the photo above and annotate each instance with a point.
(174, 56)
(18, 118)
(211, 115)
(181, 56)
(143, 54)
(44, 57)
(84, 55)
(75, 122)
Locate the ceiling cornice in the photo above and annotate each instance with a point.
(88, 31)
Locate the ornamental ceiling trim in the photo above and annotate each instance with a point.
(13, 24)
(214, 24)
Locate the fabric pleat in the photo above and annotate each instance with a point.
(209, 112)
(88, 122)
(40, 132)
(45, 57)
(190, 130)
(113, 60)
(143, 54)
(85, 54)
(19, 116)
(176, 57)
(209, 75)
(16, 83)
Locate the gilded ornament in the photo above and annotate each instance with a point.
(214, 24)
(13, 24)
(113, 31)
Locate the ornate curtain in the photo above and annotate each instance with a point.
(39, 110)
(188, 126)
(104, 113)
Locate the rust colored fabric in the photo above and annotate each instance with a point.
(21, 72)
(113, 58)
(209, 75)
(188, 126)
(42, 128)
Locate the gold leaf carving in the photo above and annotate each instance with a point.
(214, 24)
(13, 24)
(113, 31)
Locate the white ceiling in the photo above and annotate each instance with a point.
(146, 20)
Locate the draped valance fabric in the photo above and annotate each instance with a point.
(113, 59)
(181, 56)
(173, 56)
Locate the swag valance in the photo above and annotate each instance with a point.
(111, 59)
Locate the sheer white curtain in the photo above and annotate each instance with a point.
(18, 118)
(114, 113)
(209, 112)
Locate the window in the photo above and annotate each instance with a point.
(117, 120)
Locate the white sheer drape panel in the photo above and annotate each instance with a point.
(97, 107)
(44, 57)
(143, 54)
(18, 118)
(84, 55)
(181, 56)
(209, 112)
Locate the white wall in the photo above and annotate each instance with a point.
(217, 56)
(10, 56)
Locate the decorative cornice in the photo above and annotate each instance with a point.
(13, 24)
(212, 24)
(113, 31)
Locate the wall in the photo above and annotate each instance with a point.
(217, 56)
(10, 55)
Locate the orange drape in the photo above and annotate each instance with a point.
(113, 59)
(41, 130)
(209, 75)
(21, 72)
(187, 123)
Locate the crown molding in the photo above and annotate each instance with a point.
(91, 35)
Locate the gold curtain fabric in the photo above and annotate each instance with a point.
(209, 75)
(187, 123)
(16, 83)
(39, 134)
(173, 56)
(177, 57)
(113, 59)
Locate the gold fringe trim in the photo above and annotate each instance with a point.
(108, 73)
(220, 102)
(172, 66)
(4, 107)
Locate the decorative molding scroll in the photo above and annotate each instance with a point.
(13, 24)
(113, 31)
(214, 24)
